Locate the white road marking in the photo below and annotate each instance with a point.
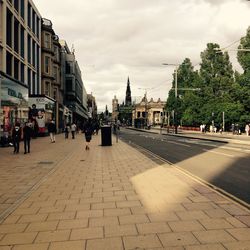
(178, 143)
(219, 153)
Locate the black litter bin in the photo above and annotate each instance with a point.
(106, 136)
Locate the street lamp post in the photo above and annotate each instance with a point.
(176, 93)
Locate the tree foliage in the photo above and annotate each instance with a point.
(220, 89)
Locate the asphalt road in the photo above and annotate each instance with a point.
(226, 166)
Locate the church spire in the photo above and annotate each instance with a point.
(128, 100)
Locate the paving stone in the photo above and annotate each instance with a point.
(61, 216)
(42, 226)
(91, 200)
(26, 211)
(89, 214)
(199, 206)
(86, 233)
(53, 209)
(18, 238)
(215, 224)
(121, 204)
(205, 247)
(141, 241)
(244, 219)
(240, 233)
(132, 219)
(213, 236)
(70, 224)
(117, 212)
(49, 236)
(68, 245)
(217, 213)
(77, 207)
(177, 239)
(11, 219)
(185, 226)
(192, 215)
(235, 222)
(103, 205)
(103, 221)
(156, 227)
(103, 194)
(5, 247)
(42, 246)
(199, 198)
(123, 230)
(160, 217)
(233, 209)
(115, 198)
(12, 228)
(105, 244)
(243, 245)
(33, 218)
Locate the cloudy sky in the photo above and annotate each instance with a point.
(114, 39)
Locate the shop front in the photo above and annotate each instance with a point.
(13, 106)
(42, 110)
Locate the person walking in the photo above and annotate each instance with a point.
(73, 130)
(88, 130)
(247, 128)
(16, 137)
(52, 131)
(27, 134)
(66, 130)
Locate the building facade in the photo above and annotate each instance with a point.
(92, 107)
(115, 109)
(20, 57)
(148, 113)
(75, 95)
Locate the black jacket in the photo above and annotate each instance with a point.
(27, 132)
(16, 133)
(52, 127)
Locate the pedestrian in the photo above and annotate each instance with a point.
(73, 130)
(247, 128)
(16, 137)
(88, 130)
(52, 131)
(66, 130)
(27, 134)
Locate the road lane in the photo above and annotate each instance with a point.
(224, 166)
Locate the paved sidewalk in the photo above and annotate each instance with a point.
(224, 137)
(116, 198)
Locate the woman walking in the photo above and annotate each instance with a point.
(16, 137)
(88, 130)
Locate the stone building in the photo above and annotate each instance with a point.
(115, 108)
(75, 95)
(20, 52)
(148, 112)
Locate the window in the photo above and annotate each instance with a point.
(138, 114)
(33, 82)
(47, 40)
(47, 88)
(55, 93)
(46, 64)
(34, 21)
(16, 5)
(22, 8)
(22, 42)
(37, 27)
(16, 35)
(22, 72)
(29, 15)
(29, 80)
(55, 73)
(16, 69)
(9, 28)
(34, 53)
(69, 85)
(9, 59)
(29, 49)
(67, 68)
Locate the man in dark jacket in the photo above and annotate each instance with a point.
(27, 134)
(52, 131)
(16, 137)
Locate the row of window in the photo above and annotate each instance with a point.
(17, 69)
(33, 19)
